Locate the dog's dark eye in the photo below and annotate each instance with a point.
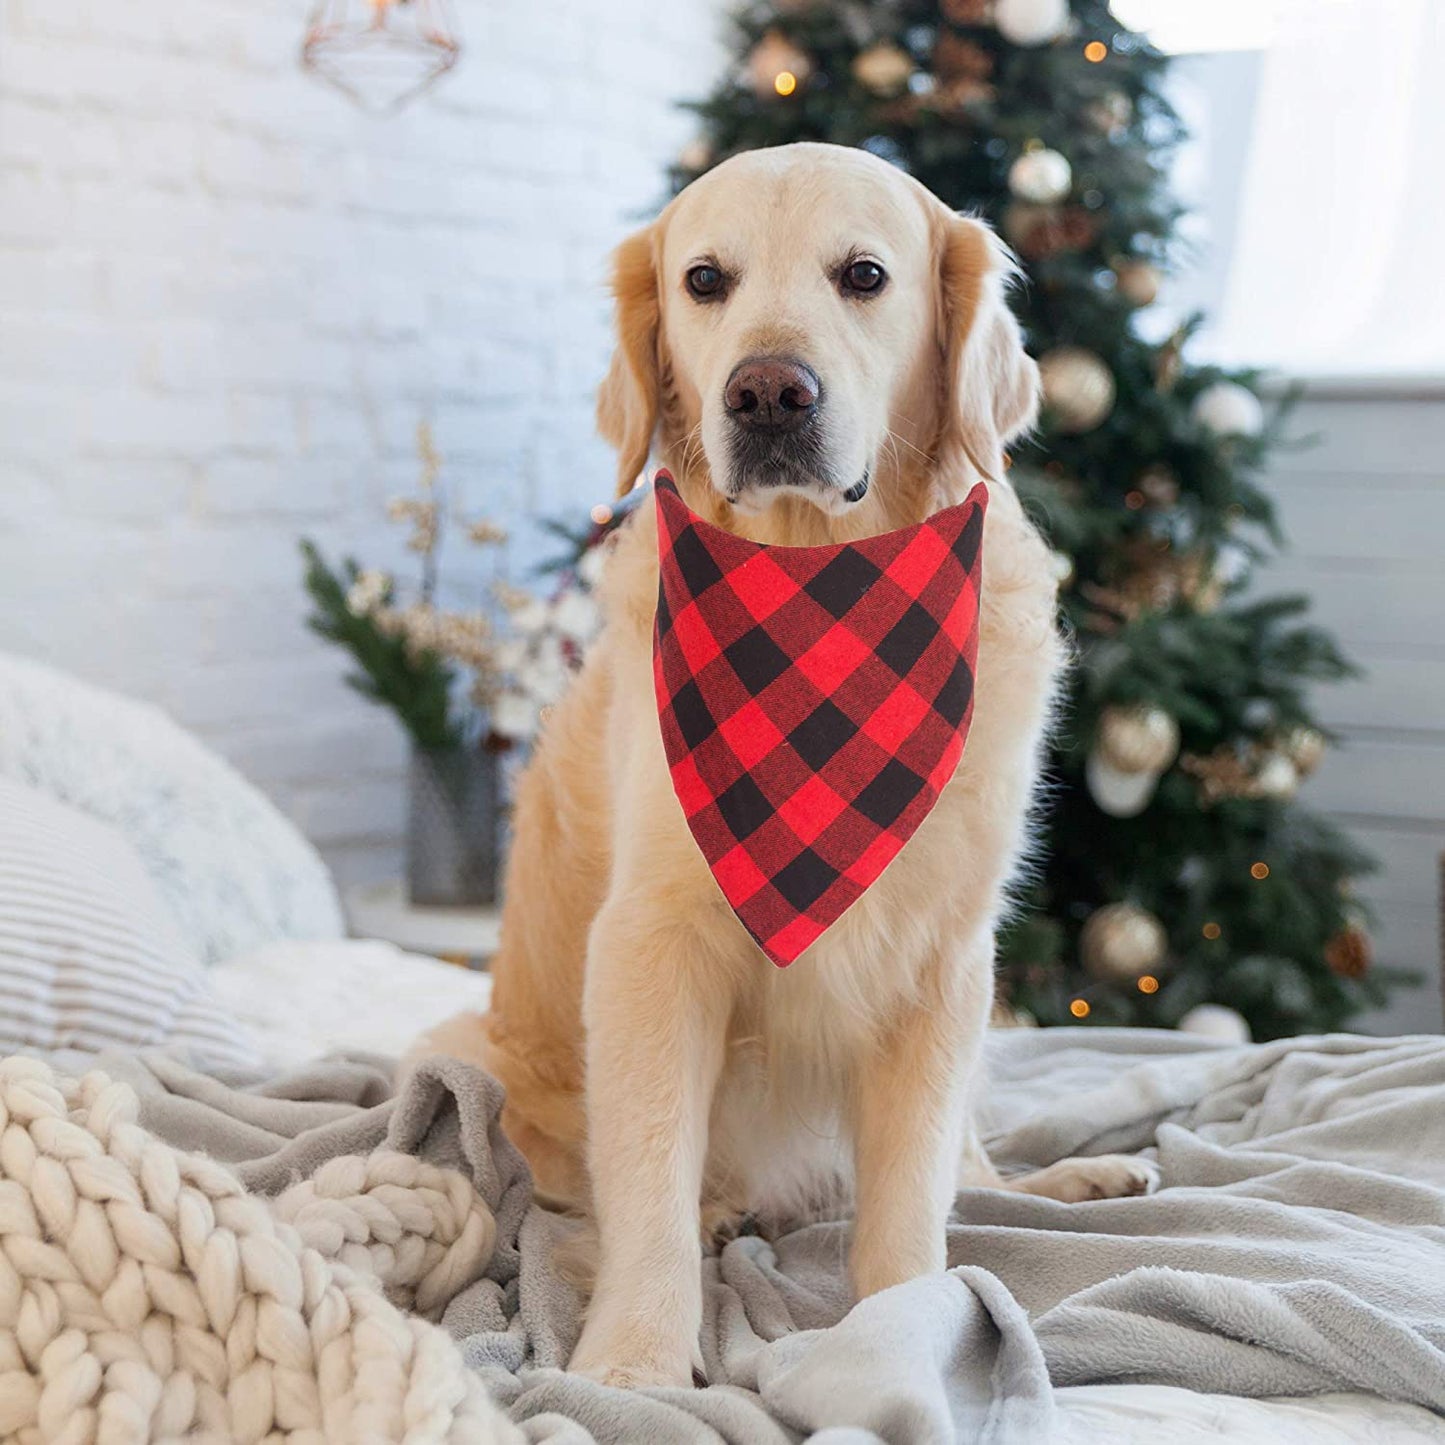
(705, 282)
(863, 277)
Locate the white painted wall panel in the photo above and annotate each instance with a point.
(1364, 514)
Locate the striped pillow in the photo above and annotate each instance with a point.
(89, 958)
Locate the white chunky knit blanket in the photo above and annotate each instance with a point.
(145, 1295)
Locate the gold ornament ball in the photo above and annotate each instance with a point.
(1138, 282)
(1110, 113)
(1350, 952)
(696, 155)
(774, 57)
(965, 12)
(1041, 177)
(1305, 747)
(1121, 941)
(882, 69)
(1160, 486)
(1020, 220)
(1138, 739)
(1078, 388)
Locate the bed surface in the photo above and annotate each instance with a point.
(1156, 1319)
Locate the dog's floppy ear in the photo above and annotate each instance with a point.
(991, 385)
(627, 400)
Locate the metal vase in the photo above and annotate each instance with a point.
(453, 828)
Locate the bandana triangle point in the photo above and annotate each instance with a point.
(814, 702)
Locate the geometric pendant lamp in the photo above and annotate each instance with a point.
(381, 52)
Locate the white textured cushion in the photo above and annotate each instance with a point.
(303, 1000)
(234, 873)
(89, 956)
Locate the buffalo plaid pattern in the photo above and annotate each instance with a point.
(814, 702)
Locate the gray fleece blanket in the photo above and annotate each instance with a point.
(1297, 1245)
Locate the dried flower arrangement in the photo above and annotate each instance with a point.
(453, 677)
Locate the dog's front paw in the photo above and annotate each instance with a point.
(723, 1223)
(632, 1376)
(630, 1364)
(1105, 1176)
(1109, 1176)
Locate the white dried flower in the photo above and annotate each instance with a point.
(511, 654)
(546, 674)
(514, 715)
(590, 565)
(367, 592)
(510, 597)
(575, 615)
(423, 518)
(531, 616)
(484, 531)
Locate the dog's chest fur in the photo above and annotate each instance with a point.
(799, 1036)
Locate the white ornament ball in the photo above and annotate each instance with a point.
(1138, 739)
(1215, 1021)
(1121, 941)
(1031, 22)
(1228, 409)
(1078, 388)
(1041, 177)
(1119, 794)
(1305, 747)
(1231, 564)
(1276, 777)
(883, 69)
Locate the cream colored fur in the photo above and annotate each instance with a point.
(656, 1063)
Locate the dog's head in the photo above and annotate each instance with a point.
(809, 320)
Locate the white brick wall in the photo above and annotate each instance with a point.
(226, 299)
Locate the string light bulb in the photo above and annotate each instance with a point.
(1259, 870)
(1079, 1008)
(1148, 984)
(1095, 51)
(785, 82)
(1211, 931)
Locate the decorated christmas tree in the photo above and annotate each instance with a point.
(1176, 869)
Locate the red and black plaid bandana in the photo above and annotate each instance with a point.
(814, 702)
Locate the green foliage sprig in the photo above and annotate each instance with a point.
(415, 685)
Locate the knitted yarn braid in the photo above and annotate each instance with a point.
(145, 1296)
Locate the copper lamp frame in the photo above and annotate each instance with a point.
(381, 53)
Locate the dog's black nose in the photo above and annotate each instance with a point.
(769, 393)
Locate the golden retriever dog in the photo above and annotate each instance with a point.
(819, 351)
